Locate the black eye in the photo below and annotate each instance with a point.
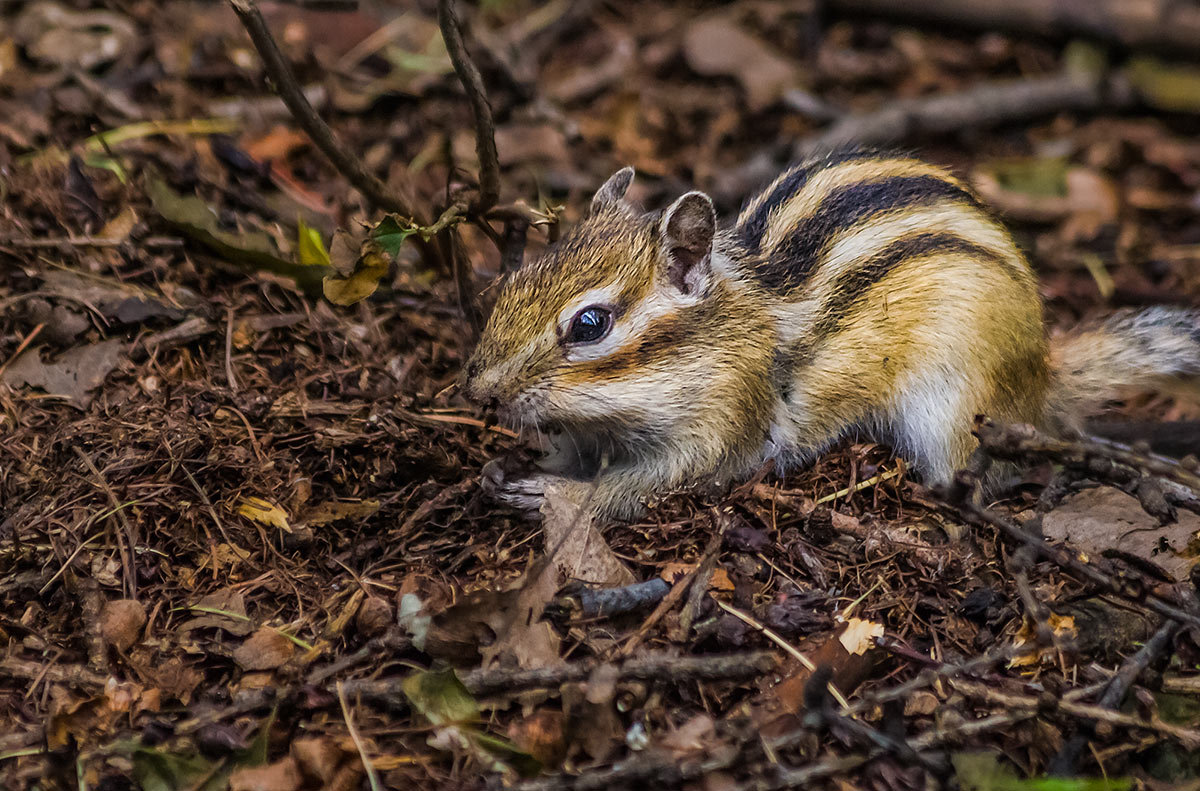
(590, 325)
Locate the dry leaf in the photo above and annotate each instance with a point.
(283, 775)
(1062, 625)
(859, 636)
(224, 609)
(264, 512)
(334, 510)
(266, 649)
(718, 46)
(584, 554)
(121, 623)
(1100, 519)
(73, 377)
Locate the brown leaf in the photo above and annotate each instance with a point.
(718, 46)
(121, 623)
(693, 737)
(283, 775)
(318, 758)
(584, 554)
(542, 735)
(1101, 519)
(266, 649)
(73, 377)
(225, 609)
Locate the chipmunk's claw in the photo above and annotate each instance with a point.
(525, 494)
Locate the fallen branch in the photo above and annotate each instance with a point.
(986, 104)
(1154, 25)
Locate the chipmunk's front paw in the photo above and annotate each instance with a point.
(526, 493)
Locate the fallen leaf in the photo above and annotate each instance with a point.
(371, 266)
(126, 303)
(283, 775)
(266, 649)
(691, 738)
(74, 376)
(374, 616)
(582, 553)
(121, 623)
(264, 512)
(54, 34)
(1166, 86)
(542, 735)
(716, 46)
(255, 249)
(1063, 626)
(1096, 520)
(224, 609)
(336, 510)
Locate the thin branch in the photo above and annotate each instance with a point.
(485, 127)
(350, 166)
(983, 105)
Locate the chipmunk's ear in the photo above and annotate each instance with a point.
(687, 236)
(613, 191)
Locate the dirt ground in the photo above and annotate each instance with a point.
(242, 535)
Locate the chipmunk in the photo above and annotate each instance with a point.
(857, 293)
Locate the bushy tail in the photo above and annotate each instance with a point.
(1155, 348)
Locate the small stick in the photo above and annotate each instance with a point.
(350, 166)
(485, 127)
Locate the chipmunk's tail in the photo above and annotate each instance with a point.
(1155, 348)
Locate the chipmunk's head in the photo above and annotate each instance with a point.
(594, 331)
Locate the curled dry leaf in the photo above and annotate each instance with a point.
(266, 649)
(224, 609)
(121, 623)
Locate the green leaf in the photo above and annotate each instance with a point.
(440, 697)
(983, 771)
(391, 235)
(253, 249)
(309, 247)
(1045, 176)
(157, 770)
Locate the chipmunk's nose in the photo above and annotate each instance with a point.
(472, 386)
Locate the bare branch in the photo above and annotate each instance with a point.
(317, 130)
(485, 127)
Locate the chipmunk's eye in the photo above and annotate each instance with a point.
(590, 325)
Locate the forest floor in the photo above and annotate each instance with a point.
(242, 534)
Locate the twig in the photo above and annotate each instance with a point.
(485, 127)
(1189, 737)
(350, 166)
(1114, 694)
(1103, 459)
(127, 558)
